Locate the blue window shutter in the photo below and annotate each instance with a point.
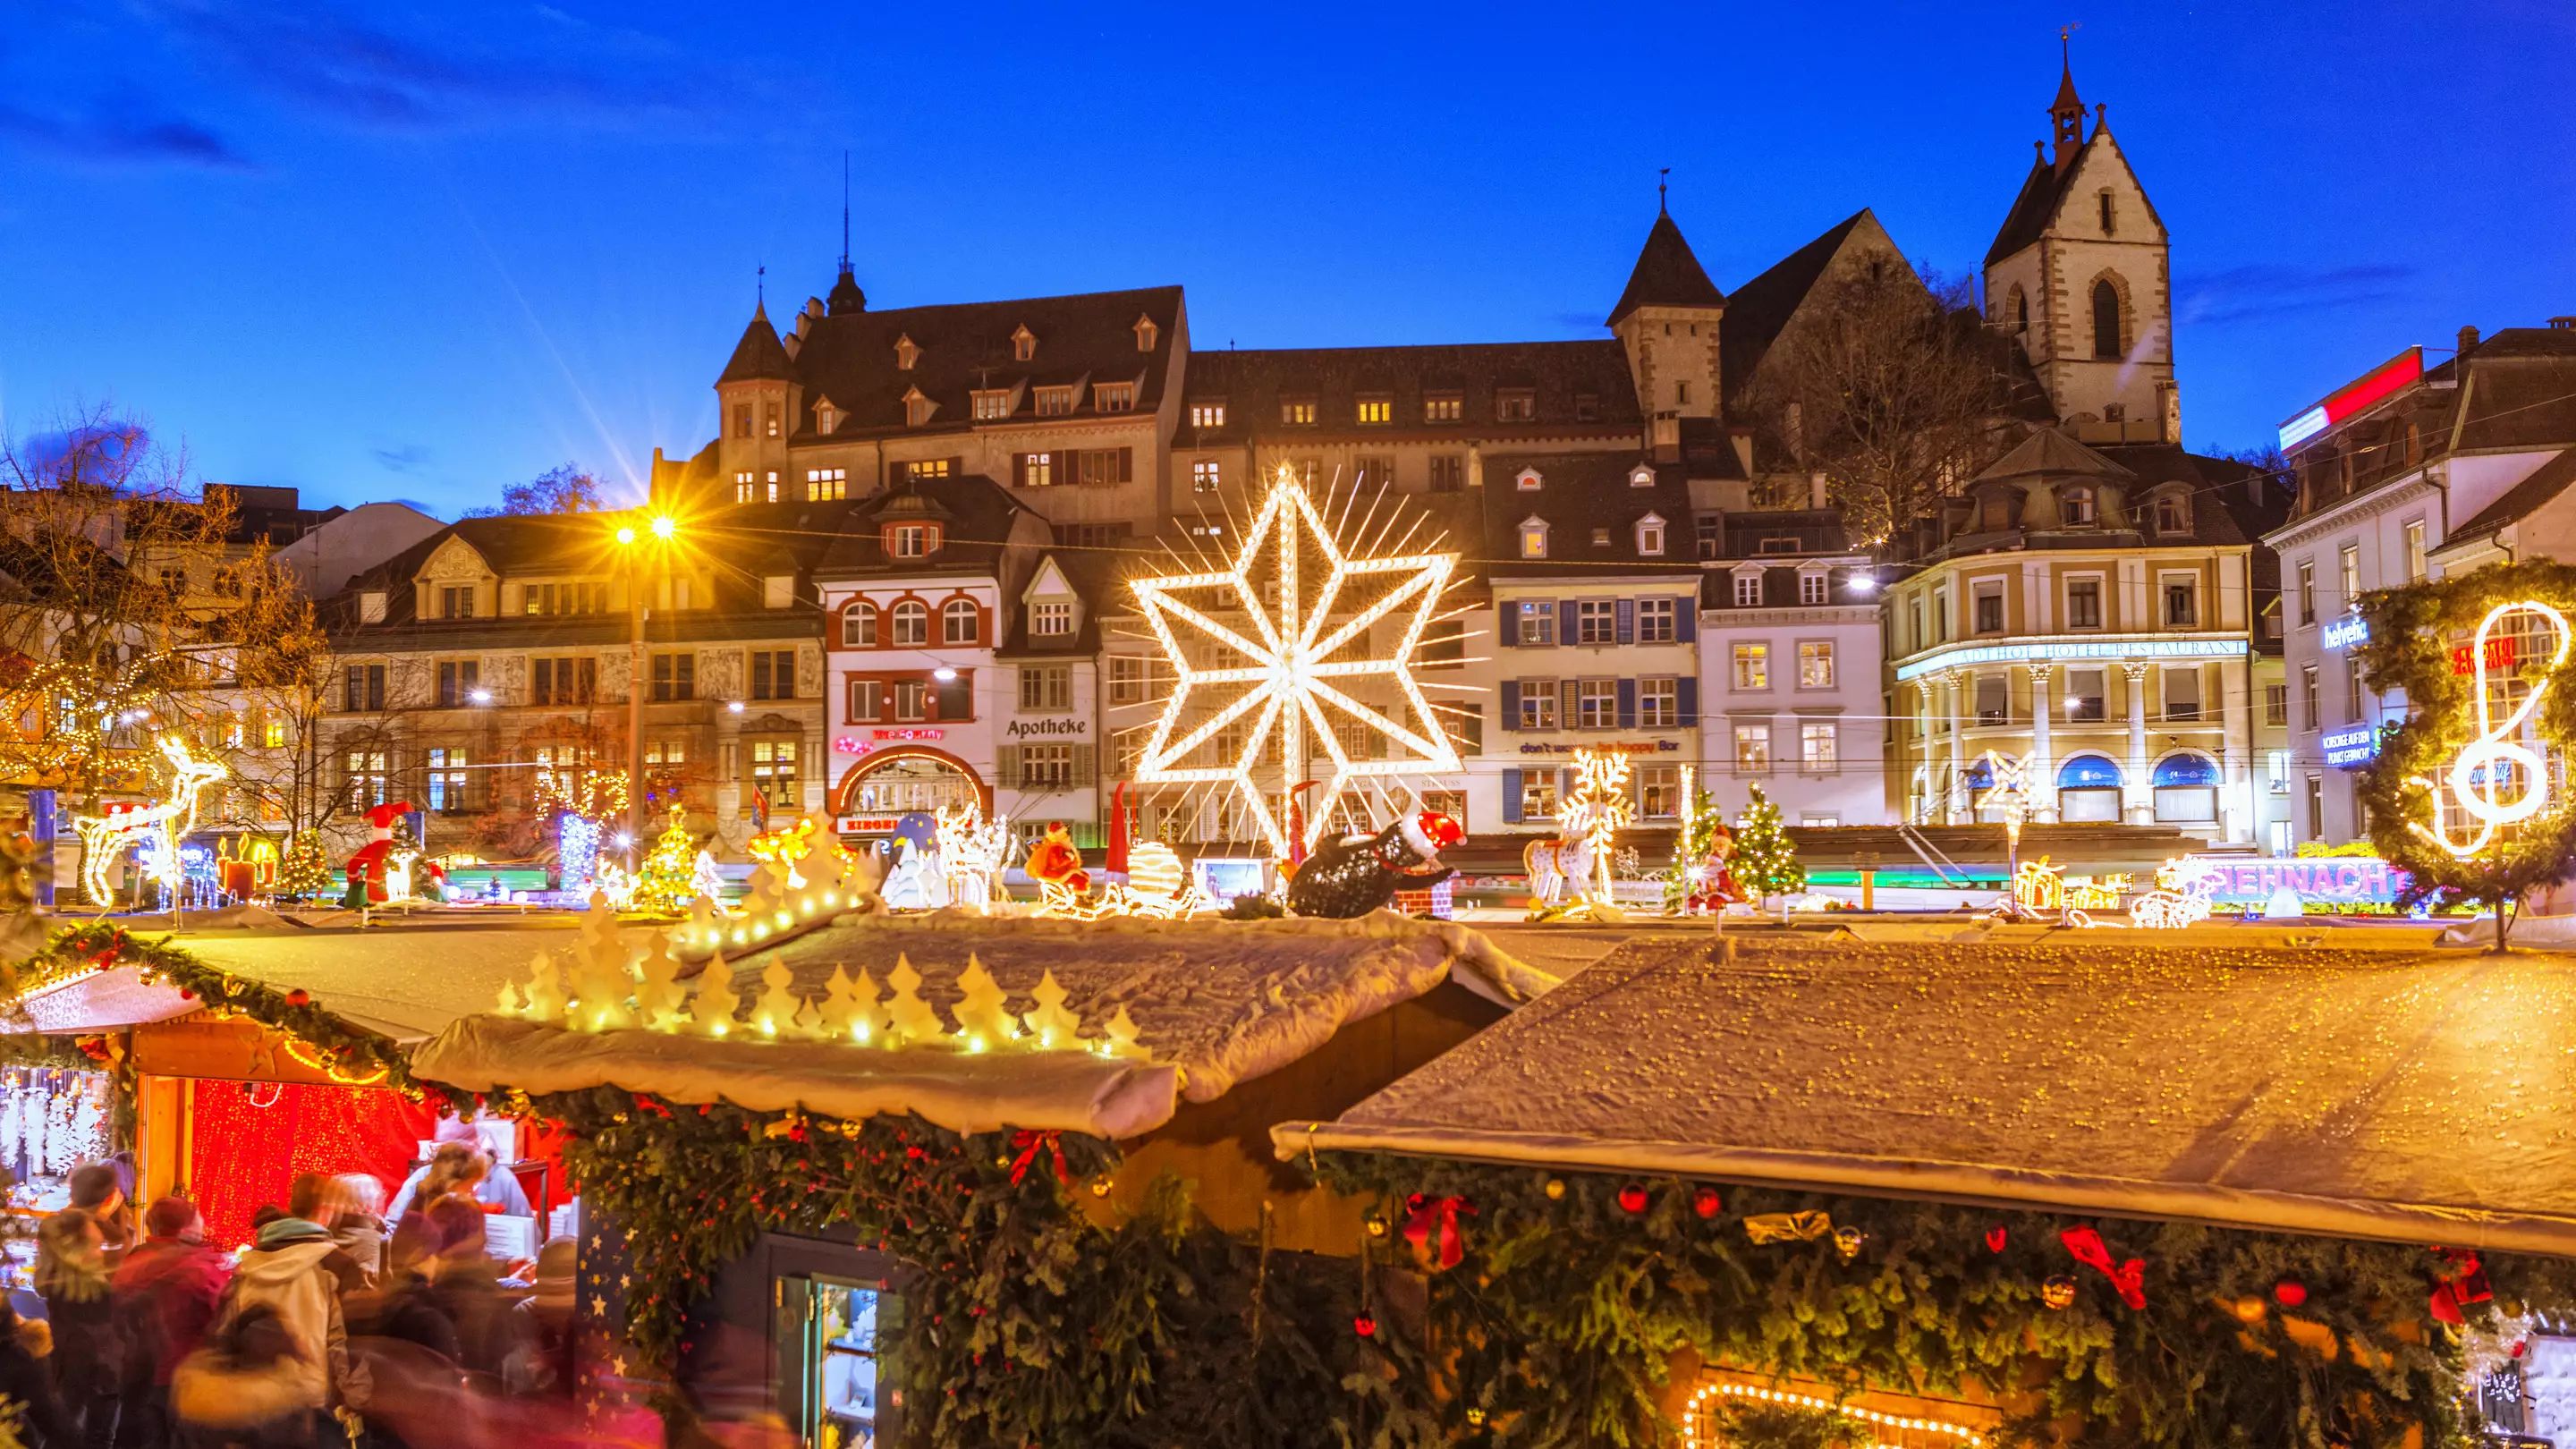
(1627, 704)
(1686, 618)
(1627, 609)
(1511, 704)
(1568, 695)
(1507, 628)
(1511, 797)
(1565, 621)
(1686, 700)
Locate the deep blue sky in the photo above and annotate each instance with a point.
(422, 252)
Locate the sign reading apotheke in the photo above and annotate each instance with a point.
(1060, 727)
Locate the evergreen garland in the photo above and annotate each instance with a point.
(1559, 1324)
(1766, 859)
(1027, 1319)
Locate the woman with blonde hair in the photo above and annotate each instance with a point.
(358, 1221)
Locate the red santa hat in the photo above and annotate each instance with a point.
(382, 817)
(1429, 832)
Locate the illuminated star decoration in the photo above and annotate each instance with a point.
(1285, 668)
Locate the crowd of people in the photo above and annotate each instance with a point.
(340, 1323)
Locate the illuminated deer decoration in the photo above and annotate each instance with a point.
(971, 855)
(106, 838)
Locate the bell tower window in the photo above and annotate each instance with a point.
(2106, 321)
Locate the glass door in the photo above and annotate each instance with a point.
(840, 1335)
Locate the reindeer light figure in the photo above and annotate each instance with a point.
(1579, 858)
(106, 838)
(971, 855)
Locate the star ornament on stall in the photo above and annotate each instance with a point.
(1288, 669)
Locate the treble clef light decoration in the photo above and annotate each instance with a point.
(2476, 776)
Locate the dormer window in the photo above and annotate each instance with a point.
(1641, 476)
(1374, 410)
(1024, 344)
(1055, 402)
(1650, 536)
(906, 353)
(1527, 480)
(827, 418)
(1208, 414)
(1748, 588)
(1587, 405)
(1114, 397)
(1442, 407)
(1052, 619)
(1297, 412)
(991, 404)
(917, 407)
(1515, 405)
(1533, 537)
(1600, 538)
(1146, 333)
(911, 540)
(2173, 514)
(2076, 504)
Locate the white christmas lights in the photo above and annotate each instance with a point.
(1693, 1412)
(104, 838)
(2476, 783)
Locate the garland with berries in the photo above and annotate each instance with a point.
(321, 1040)
(1031, 1316)
(1556, 1304)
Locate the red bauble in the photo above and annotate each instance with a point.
(186, 994)
(1706, 1202)
(2289, 1292)
(2519, 1345)
(299, 997)
(1364, 1326)
(1994, 1240)
(1632, 1198)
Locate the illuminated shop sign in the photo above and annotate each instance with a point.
(2042, 651)
(1617, 747)
(2343, 633)
(2373, 386)
(2348, 880)
(2347, 748)
(857, 745)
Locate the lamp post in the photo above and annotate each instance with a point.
(662, 529)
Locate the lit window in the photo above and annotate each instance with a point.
(746, 488)
(1658, 703)
(1816, 745)
(1815, 664)
(1113, 397)
(823, 485)
(2351, 574)
(771, 412)
(1655, 620)
(1533, 539)
(272, 735)
(773, 771)
(1658, 791)
(1538, 795)
(1297, 412)
(1753, 666)
(1055, 402)
(1205, 475)
(991, 404)
(1037, 470)
(1537, 621)
(1207, 415)
(1752, 749)
(2414, 550)
(959, 622)
(1538, 704)
(1528, 480)
(911, 623)
(1748, 590)
(1051, 620)
(447, 780)
(1442, 407)
(1376, 410)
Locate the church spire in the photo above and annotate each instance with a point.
(845, 295)
(2066, 113)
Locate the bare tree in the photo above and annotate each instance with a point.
(1885, 383)
(562, 489)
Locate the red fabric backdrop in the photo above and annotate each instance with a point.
(247, 1143)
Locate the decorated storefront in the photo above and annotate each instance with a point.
(900, 777)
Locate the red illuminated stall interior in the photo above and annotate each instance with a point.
(249, 1140)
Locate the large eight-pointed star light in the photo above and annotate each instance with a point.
(1281, 638)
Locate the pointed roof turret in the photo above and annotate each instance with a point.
(758, 356)
(845, 295)
(1666, 275)
(2066, 113)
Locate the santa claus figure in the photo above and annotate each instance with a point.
(1712, 883)
(1352, 875)
(367, 867)
(1055, 861)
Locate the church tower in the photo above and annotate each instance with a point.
(1667, 318)
(2078, 278)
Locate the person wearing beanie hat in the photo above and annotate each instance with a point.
(166, 1294)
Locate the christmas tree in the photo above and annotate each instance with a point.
(667, 880)
(1766, 861)
(1702, 824)
(304, 873)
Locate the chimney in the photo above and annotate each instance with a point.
(1668, 438)
(1742, 437)
(2468, 340)
(1816, 490)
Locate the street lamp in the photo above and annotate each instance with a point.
(664, 529)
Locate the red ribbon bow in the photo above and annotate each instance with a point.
(2129, 1278)
(1030, 1144)
(2463, 1280)
(1437, 1216)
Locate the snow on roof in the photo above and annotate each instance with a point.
(1216, 1004)
(404, 982)
(2408, 1096)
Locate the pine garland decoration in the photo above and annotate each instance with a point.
(1561, 1322)
(1766, 859)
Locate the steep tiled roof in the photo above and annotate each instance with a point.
(1252, 385)
(975, 512)
(1759, 308)
(2050, 452)
(849, 358)
(1582, 496)
(1092, 574)
(2031, 210)
(759, 355)
(1666, 274)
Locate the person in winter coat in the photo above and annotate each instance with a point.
(289, 1274)
(27, 1380)
(250, 1387)
(357, 1202)
(313, 1198)
(166, 1294)
(71, 1273)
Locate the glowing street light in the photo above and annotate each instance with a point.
(664, 529)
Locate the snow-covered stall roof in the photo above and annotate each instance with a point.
(2413, 1097)
(1215, 1003)
(403, 982)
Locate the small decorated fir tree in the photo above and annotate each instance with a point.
(1766, 860)
(1701, 824)
(305, 873)
(667, 880)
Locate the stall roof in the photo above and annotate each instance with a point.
(2412, 1097)
(1215, 1004)
(406, 983)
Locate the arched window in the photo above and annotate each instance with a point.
(2106, 320)
(859, 625)
(2088, 790)
(911, 623)
(2021, 310)
(2186, 788)
(957, 622)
